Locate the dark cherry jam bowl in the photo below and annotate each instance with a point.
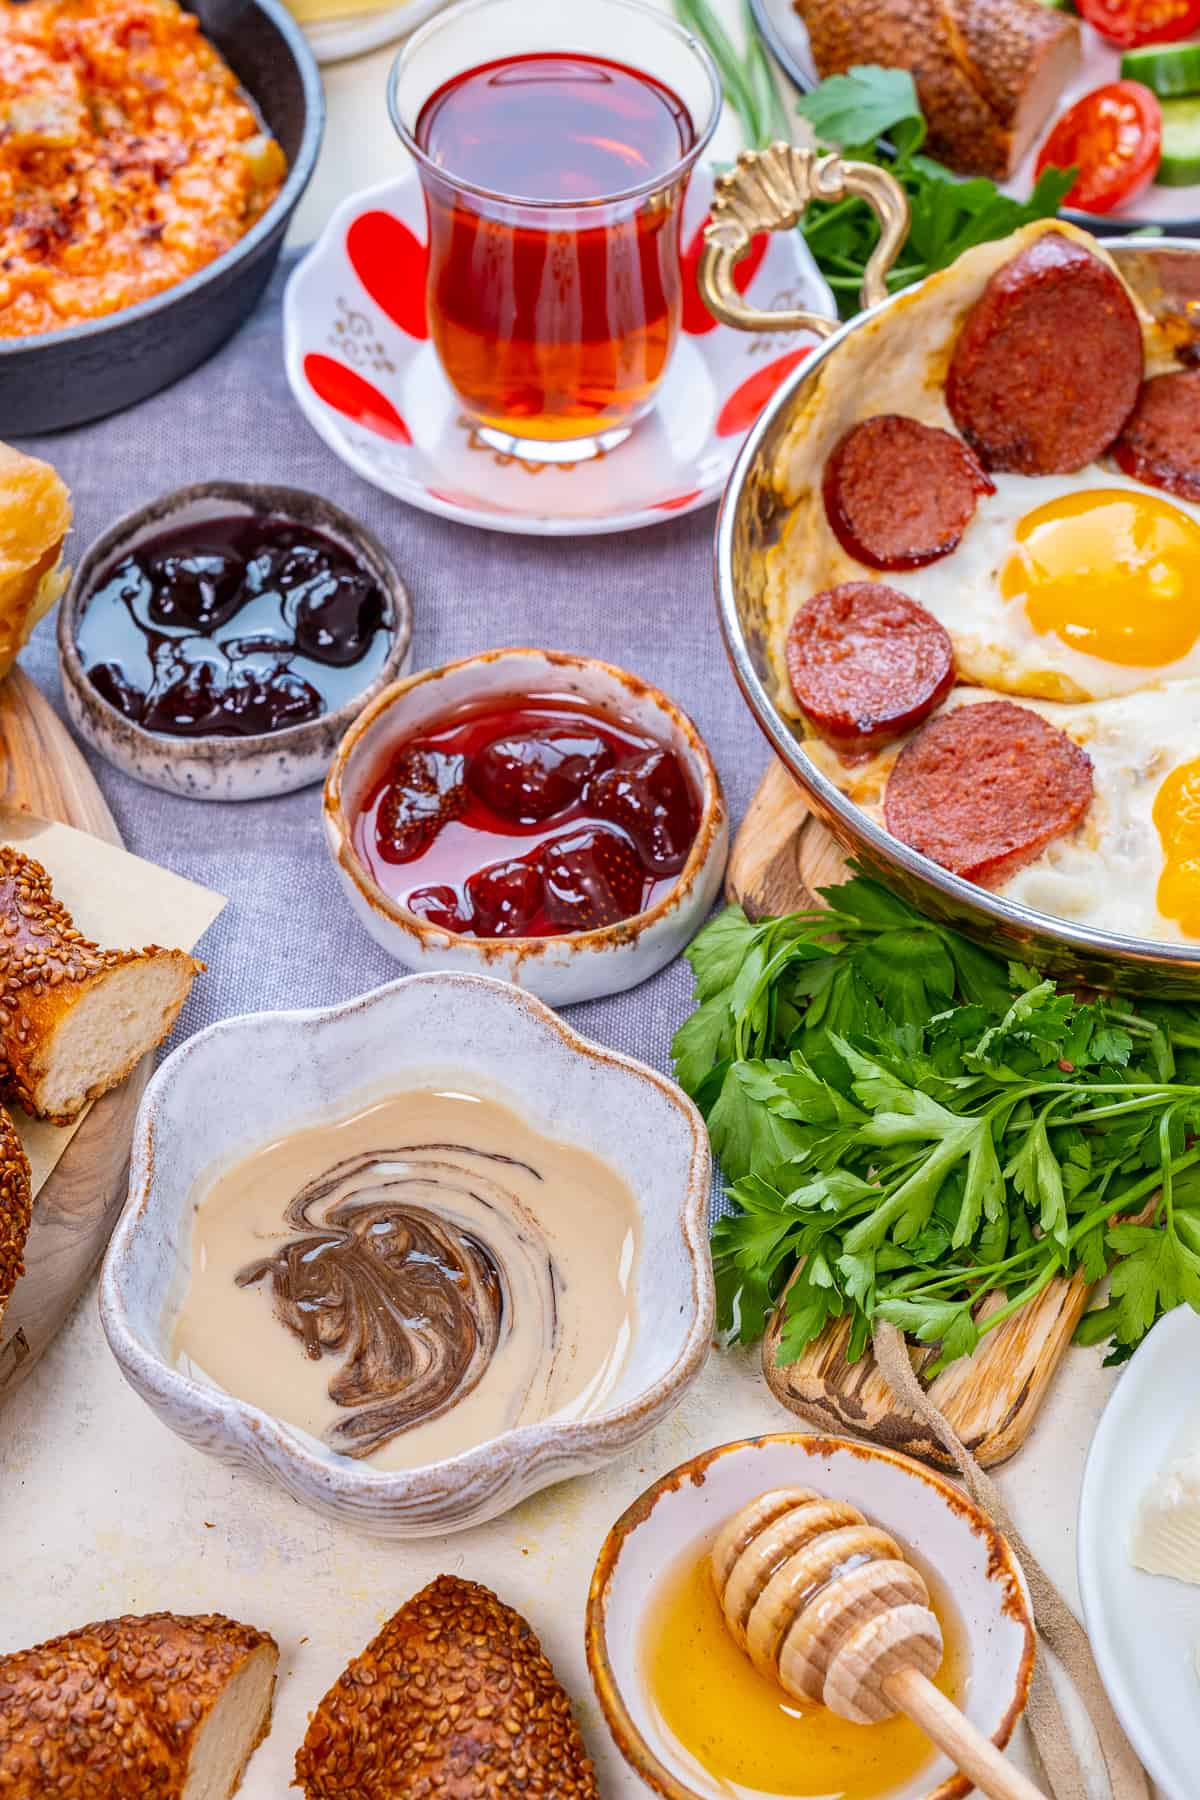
(218, 641)
(527, 815)
(234, 626)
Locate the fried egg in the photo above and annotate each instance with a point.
(1132, 865)
(1063, 587)
(1070, 587)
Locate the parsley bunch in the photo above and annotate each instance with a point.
(913, 1124)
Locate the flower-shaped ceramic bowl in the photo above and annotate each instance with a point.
(200, 1113)
(224, 768)
(677, 1518)
(578, 965)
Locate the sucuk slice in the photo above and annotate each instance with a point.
(1047, 366)
(982, 790)
(1160, 445)
(866, 664)
(899, 494)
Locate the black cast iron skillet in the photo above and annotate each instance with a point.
(67, 377)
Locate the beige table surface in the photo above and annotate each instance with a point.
(102, 1510)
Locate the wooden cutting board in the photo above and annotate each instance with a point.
(42, 771)
(781, 856)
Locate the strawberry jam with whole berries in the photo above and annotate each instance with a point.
(528, 817)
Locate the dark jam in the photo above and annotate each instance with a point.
(234, 627)
(528, 817)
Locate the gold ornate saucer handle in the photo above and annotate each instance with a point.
(768, 190)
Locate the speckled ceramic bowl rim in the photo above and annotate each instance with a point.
(1002, 1566)
(285, 202)
(583, 1437)
(212, 748)
(712, 810)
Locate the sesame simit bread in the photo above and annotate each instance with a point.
(134, 1708)
(988, 72)
(453, 1697)
(16, 1207)
(74, 1019)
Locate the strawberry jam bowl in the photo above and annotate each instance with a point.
(544, 818)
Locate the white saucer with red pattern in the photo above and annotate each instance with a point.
(362, 367)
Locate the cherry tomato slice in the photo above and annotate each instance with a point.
(1132, 22)
(1113, 136)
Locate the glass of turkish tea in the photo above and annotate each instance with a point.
(554, 140)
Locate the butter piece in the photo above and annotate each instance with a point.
(1166, 1533)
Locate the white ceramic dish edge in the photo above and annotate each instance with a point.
(199, 1110)
(1144, 1629)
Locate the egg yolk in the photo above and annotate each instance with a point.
(1177, 816)
(1111, 573)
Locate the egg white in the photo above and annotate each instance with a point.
(1105, 873)
(995, 645)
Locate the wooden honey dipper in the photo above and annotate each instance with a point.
(825, 1603)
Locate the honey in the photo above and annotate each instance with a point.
(746, 1731)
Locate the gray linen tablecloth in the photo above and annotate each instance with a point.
(643, 599)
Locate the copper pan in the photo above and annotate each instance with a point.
(769, 189)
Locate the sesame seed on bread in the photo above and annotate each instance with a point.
(131, 1708)
(74, 1019)
(452, 1699)
(16, 1207)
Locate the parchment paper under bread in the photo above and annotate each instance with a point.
(119, 901)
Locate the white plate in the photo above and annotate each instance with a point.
(334, 40)
(1145, 1629)
(367, 378)
(1172, 209)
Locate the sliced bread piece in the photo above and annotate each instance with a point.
(74, 1019)
(454, 1698)
(16, 1207)
(35, 512)
(133, 1707)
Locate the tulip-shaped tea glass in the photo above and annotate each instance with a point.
(554, 140)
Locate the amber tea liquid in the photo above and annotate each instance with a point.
(554, 309)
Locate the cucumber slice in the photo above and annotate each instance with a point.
(1180, 165)
(1167, 69)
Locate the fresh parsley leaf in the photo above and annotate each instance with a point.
(747, 1134)
(1037, 1176)
(718, 953)
(852, 111)
(704, 1038)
